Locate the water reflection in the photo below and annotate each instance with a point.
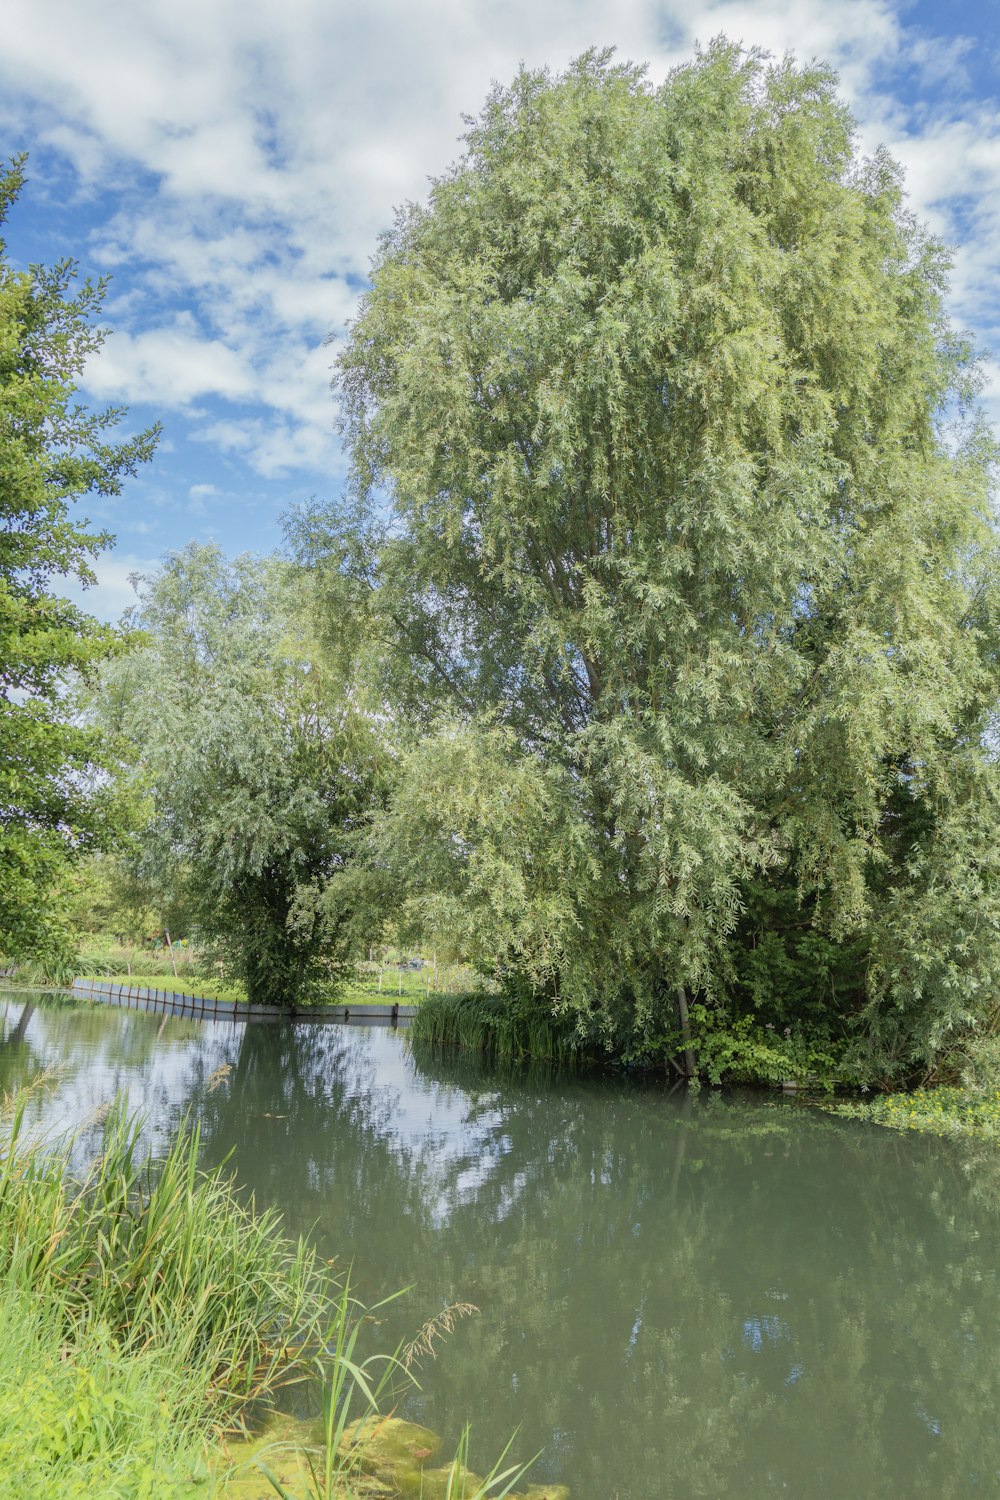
(681, 1297)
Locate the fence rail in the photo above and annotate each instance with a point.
(169, 1003)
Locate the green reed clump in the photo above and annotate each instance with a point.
(496, 1025)
(161, 1255)
(58, 970)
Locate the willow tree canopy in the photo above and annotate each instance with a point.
(674, 504)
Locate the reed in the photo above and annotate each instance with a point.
(144, 1309)
(495, 1025)
(161, 1254)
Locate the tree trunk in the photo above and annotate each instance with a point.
(690, 1065)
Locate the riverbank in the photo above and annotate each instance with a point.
(185, 969)
(496, 1028)
(145, 1312)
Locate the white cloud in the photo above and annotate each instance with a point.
(170, 366)
(274, 447)
(198, 494)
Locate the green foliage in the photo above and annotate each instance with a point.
(102, 896)
(81, 1418)
(141, 1308)
(672, 505)
(742, 1050)
(786, 967)
(476, 824)
(398, 979)
(935, 950)
(260, 765)
(54, 800)
(511, 1024)
(945, 1110)
(104, 955)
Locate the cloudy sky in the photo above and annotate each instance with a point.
(230, 164)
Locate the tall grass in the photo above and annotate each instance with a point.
(494, 1025)
(81, 1418)
(102, 956)
(161, 1255)
(104, 961)
(143, 1308)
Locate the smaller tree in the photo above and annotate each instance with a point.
(259, 764)
(55, 798)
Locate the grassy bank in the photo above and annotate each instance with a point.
(142, 1310)
(189, 970)
(145, 1312)
(196, 989)
(359, 994)
(499, 1027)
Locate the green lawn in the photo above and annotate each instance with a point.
(397, 977)
(197, 988)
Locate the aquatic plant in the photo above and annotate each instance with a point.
(497, 1025)
(161, 1254)
(943, 1110)
(380, 1455)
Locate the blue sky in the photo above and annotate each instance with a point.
(230, 163)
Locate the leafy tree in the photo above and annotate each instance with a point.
(673, 503)
(54, 800)
(103, 897)
(259, 763)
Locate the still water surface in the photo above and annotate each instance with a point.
(681, 1298)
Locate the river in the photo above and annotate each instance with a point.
(680, 1297)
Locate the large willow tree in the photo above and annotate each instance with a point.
(674, 504)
